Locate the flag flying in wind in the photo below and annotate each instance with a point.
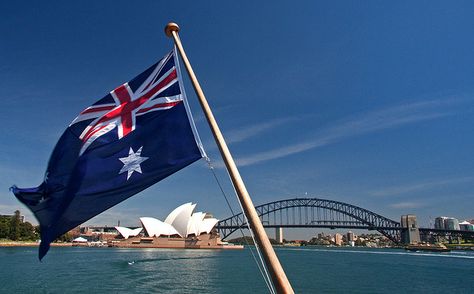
(135, 136)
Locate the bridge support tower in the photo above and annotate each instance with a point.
(410, 233)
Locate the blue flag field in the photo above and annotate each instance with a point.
(135, 136)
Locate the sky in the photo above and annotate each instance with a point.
(368, 103)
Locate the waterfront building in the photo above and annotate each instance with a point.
(182, 228)
(451, 223)
(411, 234)
(439, 222)
(350, 238)
(279, 235)
(97, 233)
(338, 239)
(466, 226)
(446, 223)
(181, 222)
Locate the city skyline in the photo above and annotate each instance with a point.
(371, 105)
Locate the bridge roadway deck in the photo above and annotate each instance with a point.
(223, 227)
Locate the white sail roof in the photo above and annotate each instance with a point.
(80, 240)
(156, 228)
(194, 223)
(207, 225)
(172, 216)
(181, 221)
(181, 218)
(135, 232)
(126, 232)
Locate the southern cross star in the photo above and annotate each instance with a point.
(131, 163)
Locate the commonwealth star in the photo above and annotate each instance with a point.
(132, 162)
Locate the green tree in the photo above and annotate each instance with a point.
(64, 238)
(4, 228)
(38, 230)
(15, 226)
(27, 232)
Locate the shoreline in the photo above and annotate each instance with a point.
(31, 244)
(457, 247)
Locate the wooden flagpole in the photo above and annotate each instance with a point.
(280, 281)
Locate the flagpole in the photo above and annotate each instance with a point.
(280, 281)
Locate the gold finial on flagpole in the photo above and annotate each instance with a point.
(171, 27)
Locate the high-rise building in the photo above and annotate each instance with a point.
(338, 239)
(411, 234)
(466, 226)
(350, 238)
(451, 223)
(439, 222)
(279, 235)
(446, 223)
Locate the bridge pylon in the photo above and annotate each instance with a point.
(410, 233)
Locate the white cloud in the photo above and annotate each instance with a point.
(254, 130)
(247, 132)
(366, 123)
(406, 205)
(421, 186)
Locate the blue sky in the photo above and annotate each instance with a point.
(370, 103)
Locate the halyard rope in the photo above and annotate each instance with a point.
(261, 265)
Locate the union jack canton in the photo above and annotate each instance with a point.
(128, 103)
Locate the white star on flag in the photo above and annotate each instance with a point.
(131, 163)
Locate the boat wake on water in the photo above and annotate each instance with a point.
(166, 259)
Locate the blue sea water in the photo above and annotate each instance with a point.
(310, 270)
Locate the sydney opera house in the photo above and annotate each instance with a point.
(182, 228)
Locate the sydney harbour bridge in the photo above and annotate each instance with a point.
(323, 213)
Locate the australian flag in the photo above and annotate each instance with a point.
(135, 136)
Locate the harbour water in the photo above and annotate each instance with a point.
(310, 269)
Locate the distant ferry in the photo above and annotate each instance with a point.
(427, 247)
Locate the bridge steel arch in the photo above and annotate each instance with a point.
(314, 212)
